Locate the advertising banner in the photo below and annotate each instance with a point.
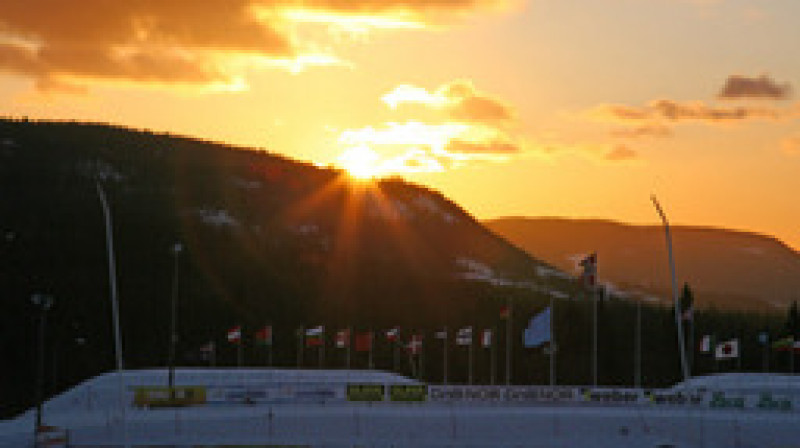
(365, 392)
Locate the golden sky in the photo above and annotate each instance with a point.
(510, 107)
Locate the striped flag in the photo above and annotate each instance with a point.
(314, 336)
(486, 338)
(343, 338)
(464, 336)
(235, 335)
(264, 335)
(393, 334)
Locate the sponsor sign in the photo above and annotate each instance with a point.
(502, 394)
(408, 392)
(163, 396)
(365, 392)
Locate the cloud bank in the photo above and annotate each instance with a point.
(761, 87)
(198, 43)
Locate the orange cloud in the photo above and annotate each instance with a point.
(761, 87)
(458, 99)
(620, 153)
(645, 130)
(59, 42)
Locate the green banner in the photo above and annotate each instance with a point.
(408, 392)
(365, 392)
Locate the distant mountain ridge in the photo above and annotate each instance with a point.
(725, 268)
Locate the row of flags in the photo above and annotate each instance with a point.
(535, 334)
(730, 349)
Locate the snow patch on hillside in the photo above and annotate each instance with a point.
(545, 272)
(476, 270)
(432, 206)
(217, 217)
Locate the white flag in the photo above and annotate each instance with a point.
(486, 338)
(727, 350)
(705, 344)
(464, 336)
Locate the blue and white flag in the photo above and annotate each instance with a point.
(538, 331)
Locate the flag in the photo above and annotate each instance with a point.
(314, 336)
(705, 344)
(589, 275)
(727, 350)
(414, 346)
(464, 336)
(486, 338)
(364, 341)
(235, 335)
(207, 351)
(505, 312)
(786, 344)
(343, 338)
(393, 334)
(763, 338)
(538, 331)
(264, 335)
(441, 334)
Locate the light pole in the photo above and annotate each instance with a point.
(43, 302)
(176, 250)
(112, 275)
(675, 298)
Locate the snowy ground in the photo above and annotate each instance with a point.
(570, 421)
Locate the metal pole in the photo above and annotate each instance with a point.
(176, 250)
(349, 332)
(492, 358)
(444, 357)
(637, 364)
(470, 357)
(676, 299)
(508, 342)
(44, 303)
(594, 336)
(112, 274)
(553, 346)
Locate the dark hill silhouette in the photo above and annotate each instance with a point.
(267, 239)
(729, 269)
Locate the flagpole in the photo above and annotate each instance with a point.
(213, 354)
(508, 341)
(594, 336)
(492, 359)
(444, 357)
(553, 347)
(348, 348)
(637, 364)
(322, 349)
(301, 331)
(471, 349)
(239, 353)
(676, 299)
(371, 345)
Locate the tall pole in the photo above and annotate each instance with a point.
(370, 360)
(112, 275)
(594, 336)
(675, 298)
(444, 356)
(176, 250)
(44, 302)
(637, 363)
(508, 341)
(349, 332)
(470, 357)
(553, 345)
(492, 358)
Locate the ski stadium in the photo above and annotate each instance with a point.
(355, 408)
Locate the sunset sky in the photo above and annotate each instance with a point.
(510, 107)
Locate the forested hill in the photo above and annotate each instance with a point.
(266, 239)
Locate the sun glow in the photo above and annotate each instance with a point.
(361, 162)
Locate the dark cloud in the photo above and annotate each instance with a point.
(167, 41)
(488, 147)
(674, 111)
(761, 87)
(620, 153)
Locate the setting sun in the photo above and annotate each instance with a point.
(360, 162)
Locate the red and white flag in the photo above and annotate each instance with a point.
(727, 350)
(343, 338)
(415, 344)
(393, 334)
(705, 344)
(235, 335)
